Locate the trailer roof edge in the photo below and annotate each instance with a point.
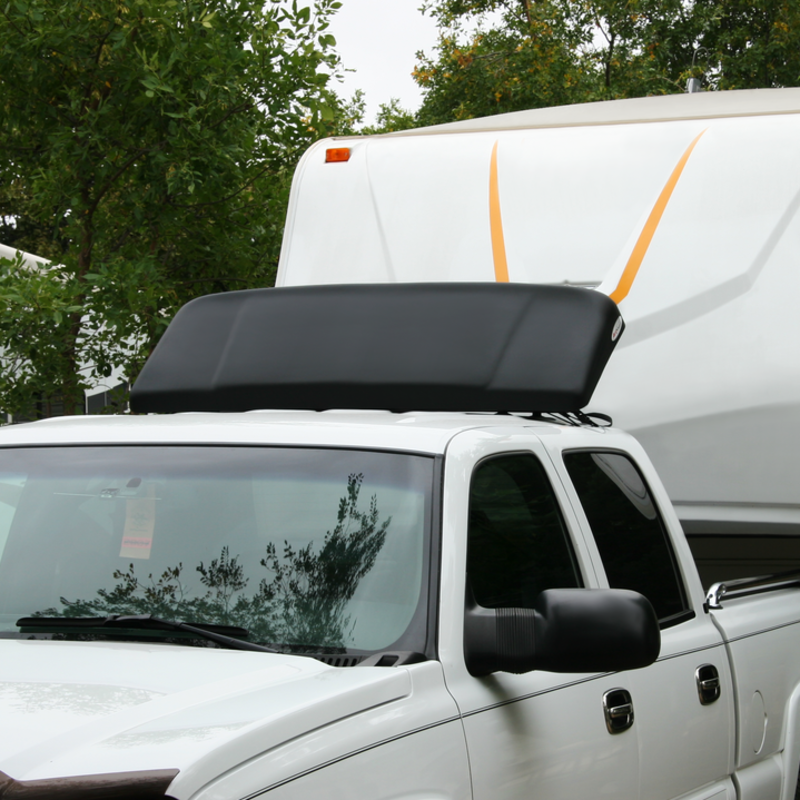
(631, 111)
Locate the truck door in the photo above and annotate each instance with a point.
(683, 703)
(539, 734)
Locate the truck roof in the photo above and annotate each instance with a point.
(409, 432)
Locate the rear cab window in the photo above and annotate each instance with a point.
(628, 530)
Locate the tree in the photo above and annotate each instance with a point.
(153, 142)
(526, 60)
(635, 48)
(348, 116)
(535, 53)
(391, 117)
(21, 231)
(749, 45)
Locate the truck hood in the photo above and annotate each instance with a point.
(88, 708)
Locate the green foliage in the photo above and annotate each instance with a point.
(636, 48)
(527, 60)
(750, 45)
(391, 117)
(152, 143)
(36, 308)
(349, 117)
(495, 56)
(22, 231)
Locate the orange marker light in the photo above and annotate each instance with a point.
(337, 154)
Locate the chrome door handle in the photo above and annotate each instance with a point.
(618, 710)
(621, 711)
(708, 684)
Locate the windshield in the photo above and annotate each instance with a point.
(311, 550)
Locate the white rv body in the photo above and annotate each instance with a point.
(682, 208)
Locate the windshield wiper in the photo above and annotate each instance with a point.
(147, 622)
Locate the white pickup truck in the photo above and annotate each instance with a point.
(444, 593)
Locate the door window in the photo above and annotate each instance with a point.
(518, 544)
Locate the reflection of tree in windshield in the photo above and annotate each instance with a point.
(310, 590)
(302, 602)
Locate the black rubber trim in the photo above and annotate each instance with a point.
(676, 619)
(141, 785)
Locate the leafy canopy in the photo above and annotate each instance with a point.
(146, 147)
(495, 56)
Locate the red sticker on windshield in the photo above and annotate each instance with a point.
(135, 547)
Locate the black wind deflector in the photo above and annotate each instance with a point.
(420, 347)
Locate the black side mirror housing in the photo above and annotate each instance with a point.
(567, 630)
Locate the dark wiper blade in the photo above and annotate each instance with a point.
(221, 634)
(125, 620)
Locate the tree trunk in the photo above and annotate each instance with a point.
(526, 5)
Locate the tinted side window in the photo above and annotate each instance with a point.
(627, 528)
(517, 544)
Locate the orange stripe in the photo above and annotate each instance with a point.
(646, 236)
(496, 223)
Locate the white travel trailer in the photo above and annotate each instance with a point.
(28, 259)
(683, 209)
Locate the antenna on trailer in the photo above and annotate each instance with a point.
(695, 84)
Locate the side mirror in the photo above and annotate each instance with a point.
(567, 630)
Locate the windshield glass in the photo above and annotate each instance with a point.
(313, 550)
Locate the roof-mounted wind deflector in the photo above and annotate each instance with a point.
(420, 347)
